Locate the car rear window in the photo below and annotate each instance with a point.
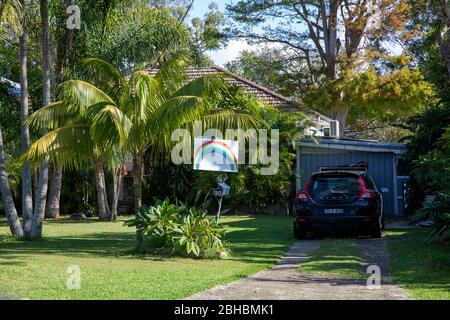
(369, 183)
(327, 187)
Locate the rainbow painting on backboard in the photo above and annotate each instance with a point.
(216, 155)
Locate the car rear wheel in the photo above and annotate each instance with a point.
(376, 232)
(299, 233)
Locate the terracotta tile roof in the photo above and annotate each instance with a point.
(266, 95)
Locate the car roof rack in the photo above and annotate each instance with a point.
(360, 166)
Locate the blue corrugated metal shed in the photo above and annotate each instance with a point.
(382, 159)
(13, 87)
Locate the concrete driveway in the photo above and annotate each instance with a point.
(285, 282)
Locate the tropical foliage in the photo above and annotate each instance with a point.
(250, 191)
(131, 115)
(167, 228)
(432, 172)
(119, 89)
(428, 146)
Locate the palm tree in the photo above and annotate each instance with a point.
(27, 185)
(41, 192)
(136, 113)
(52, 209)
(8, 202)
(12, 14)
(74, 140)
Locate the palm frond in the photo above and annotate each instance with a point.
(147, 94)
(175, 112)
(110, 127)
(70, 146)
(172, 73)
(229, 119)
(103, 74)
(210, 87)
(79, 95)
(53, 116)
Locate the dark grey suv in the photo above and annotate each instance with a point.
(343, 198)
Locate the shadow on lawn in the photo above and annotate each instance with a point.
(338, 263)
(259, 239)
(252, 240)
(418, 265)
(102, 244)
(3, 222)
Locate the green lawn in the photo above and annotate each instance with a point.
(37, 270)
(336, 258)
(422, 269)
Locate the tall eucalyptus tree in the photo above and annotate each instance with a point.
(334, 34)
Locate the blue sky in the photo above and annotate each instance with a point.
(234, 48)
(201, 6)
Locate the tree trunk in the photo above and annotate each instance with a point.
(27, 184)
(137, 181)
(53, 202)
(138, 176)
(117, 180)
(52, 210)
(103, 208)
(41, 193)
(444, 34)
(40, 200)
(330, 35)
(8, 202)
(341, 116)
(445, 47)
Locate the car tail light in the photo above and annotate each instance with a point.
(303, 196)
(301, 219)
(364, 193)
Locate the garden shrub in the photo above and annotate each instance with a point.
(168, 228)
(198, 234)
(432, 171)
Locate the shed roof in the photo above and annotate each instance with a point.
(354, 145)
(13, 87)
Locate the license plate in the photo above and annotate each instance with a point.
(334, 211)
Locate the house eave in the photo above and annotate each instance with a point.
(354, 145)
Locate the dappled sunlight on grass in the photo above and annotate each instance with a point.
(422, 269)
(261, 239)
(109, 269)
(335, 258)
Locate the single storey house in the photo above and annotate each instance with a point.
(383, 158)
(264, 94)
